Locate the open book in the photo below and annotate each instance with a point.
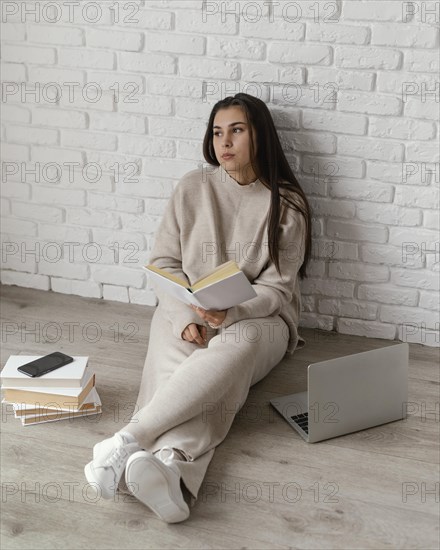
(222, 288)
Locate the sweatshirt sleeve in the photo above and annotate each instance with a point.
(273, 291)
(167, 254)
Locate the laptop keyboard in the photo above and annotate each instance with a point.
(302, 420)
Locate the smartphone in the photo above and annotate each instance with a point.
(45, 364)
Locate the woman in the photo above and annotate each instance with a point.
(246, 206)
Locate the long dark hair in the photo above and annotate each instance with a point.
(270, 167)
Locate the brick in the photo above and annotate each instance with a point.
(145, 18)
(408, 315)
(369, 329)
(361, 190)
(326, 287)
(15, 113)
(103, 201)
(431, 219)
(117, 122)
(148, 63)
(370, 149)
(415, 107)
(87, 289)
(406, 196)
(147, 146)
(118, 239)
(43, 213)
(27, 134)
(389, 255)
(373, 10)
(147, 105)
(406, 36)
(413, 238)
(309, 54)
(348, 308)
(398, 172)
(422, 151)
(180, 43)
(392, 214)
(27, 280)
(421, 61)
(28, 54)
(143, 297)
(115, 293)
(86, 58)
(358, 271)
(19, 227)
(93, 218)
(384, 294)
(117, 275)
(279, 29)
(332, 80)
(54, 34)
(117, 40)
(112, 82)
(63, 268)
(369, 103)
(12, 72)
(63, 233)
(333, 167)
(50, 195)
(405, 83)
(337, 34)
(329, 208)
(88, 140)
(401, 128)
(334, 122)
(183, 87)
(429, 300)
(346, 230)
(235, 48)
(46, 75)
(309, 142)
(194, 21)
(191, 129)
(45, 155)
(416, 278)
(367, 58)
(208, 68)
(59, 118)
(12, 152)
(12, 32)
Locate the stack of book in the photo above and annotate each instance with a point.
(64, 393)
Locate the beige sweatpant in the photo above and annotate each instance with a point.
(189, 394)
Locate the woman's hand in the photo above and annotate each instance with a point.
(195, 333)
(213, 316)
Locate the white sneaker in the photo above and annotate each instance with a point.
(155, 481)
(109, 459)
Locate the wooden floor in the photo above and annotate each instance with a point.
(265, 487)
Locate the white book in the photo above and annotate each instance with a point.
(50, 397)
(72, 375)
(25, 409)
(222, 288)
(41, 418)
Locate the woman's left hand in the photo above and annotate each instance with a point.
(213, 316)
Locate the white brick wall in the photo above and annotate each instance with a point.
(89, 96)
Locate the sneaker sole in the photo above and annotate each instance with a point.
(91, 477)
(152, 483)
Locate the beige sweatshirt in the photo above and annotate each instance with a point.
(210, 219)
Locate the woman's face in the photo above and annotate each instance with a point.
(231, 136)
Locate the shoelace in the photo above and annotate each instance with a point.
(120, 453)
(170, 458)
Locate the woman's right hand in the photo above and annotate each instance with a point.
(195, 333)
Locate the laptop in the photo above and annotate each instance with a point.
(349, 394)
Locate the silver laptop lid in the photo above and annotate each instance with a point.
(358, 391)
